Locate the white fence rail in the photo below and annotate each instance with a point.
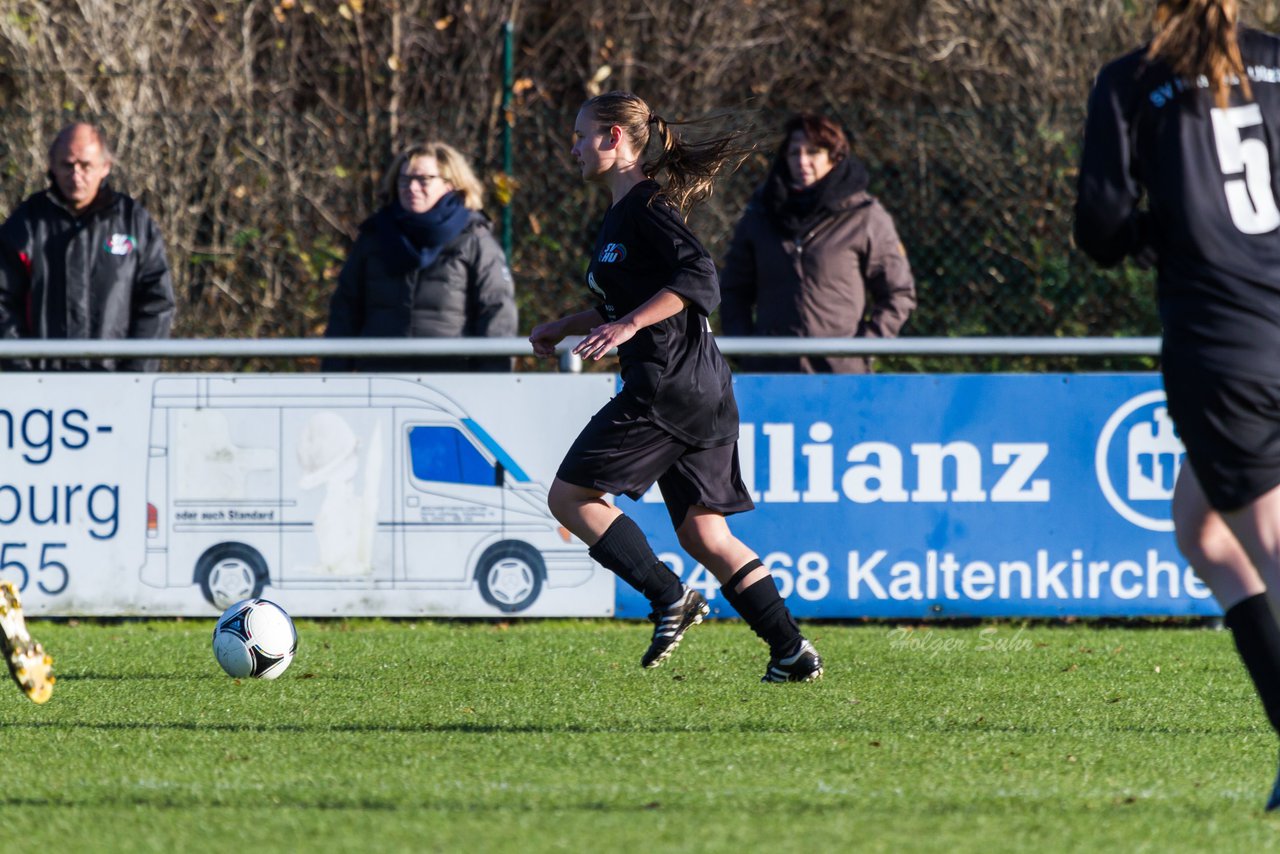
(292, 348)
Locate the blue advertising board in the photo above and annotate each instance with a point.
(949, 496)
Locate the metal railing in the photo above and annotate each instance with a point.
(293, 348)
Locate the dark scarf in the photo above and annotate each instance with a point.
(104, 199)
(794, 211)
(413, 241)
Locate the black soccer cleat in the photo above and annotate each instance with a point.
(804, 666)
(670, 624)
(29, 665)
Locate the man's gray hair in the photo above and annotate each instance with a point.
(65, 134)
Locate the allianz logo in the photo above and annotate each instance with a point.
(1137, 460)
(869, 472)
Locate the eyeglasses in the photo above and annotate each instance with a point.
(423, 181)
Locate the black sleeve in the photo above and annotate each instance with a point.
(15, 287)
(1108, 224)
(891, 289)
(153, 300)
(738, 282)
(491, 301)
(693, 273)
(346, 306)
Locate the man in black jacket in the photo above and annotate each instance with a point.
(81, 261)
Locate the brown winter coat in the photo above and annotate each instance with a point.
(847, 276)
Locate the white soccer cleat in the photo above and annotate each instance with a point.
(29, 665)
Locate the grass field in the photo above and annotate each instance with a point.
(547, 736)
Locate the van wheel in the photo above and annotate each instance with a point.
(510, 576)
(229, 572)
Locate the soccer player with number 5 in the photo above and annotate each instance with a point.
(1192, 121)
(675, 421)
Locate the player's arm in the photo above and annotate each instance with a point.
(603, 338)
(1108, 224)
(546, 336)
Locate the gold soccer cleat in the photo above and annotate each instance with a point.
(29, 665)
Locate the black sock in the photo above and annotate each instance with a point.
(1258, 641)
(624, 550)
(764, 611)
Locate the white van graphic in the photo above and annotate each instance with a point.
(341, 483)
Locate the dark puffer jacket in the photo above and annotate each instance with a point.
(466, 292)
(100, 275)
(845, 276)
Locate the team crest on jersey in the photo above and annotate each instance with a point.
(120, 244)
(613, 253)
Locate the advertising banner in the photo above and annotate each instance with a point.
(179, 494)
(954, 496)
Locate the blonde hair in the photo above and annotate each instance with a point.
(1197, 38)
(453, 168)
(690, 166)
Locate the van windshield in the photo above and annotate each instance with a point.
(499, 453)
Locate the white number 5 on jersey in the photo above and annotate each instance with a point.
(1249, 195)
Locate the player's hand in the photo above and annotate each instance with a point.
(545, 337)
(602, 339)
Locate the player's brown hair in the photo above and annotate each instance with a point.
(690, 167)
(1197, 38)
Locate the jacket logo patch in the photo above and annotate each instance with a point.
(120, 244)
(613, 253)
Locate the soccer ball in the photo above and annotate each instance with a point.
(255, 638)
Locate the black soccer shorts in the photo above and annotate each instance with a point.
(621, 453)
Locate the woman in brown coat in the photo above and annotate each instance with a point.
(815, 255)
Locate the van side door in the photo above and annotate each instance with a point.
(453, 501)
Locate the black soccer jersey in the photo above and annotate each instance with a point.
(1211, 178)
(672, 371)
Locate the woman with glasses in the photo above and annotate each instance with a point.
(426, 265)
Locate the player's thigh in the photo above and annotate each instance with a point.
(1230, 428)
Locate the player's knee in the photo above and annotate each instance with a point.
(691, 541)
(1192, 533)
(1207, 546)
(563, 499)
(702, 542)
(1189, 539)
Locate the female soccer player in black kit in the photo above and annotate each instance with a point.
(675, 421)
(1193, 120)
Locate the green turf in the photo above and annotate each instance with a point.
(547, 736)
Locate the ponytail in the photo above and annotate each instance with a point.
(690, 167)
(1197, 38)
